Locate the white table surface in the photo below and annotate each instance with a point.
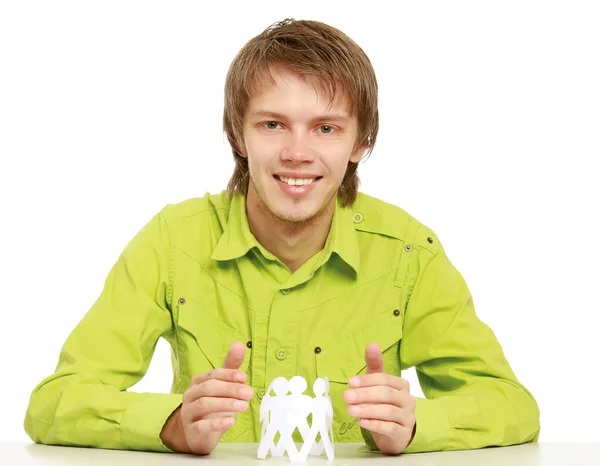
(540, 454)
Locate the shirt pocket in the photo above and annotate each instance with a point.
(344, 357)
(204, 342)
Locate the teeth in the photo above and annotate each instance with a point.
(296, 181)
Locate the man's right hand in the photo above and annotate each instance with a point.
(209, 406)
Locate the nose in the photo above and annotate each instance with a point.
(297, 149)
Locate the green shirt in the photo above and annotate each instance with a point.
(196, 276)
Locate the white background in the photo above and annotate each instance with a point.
(490, 122)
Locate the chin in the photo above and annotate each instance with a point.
(299, 212)
(295, 216)
(292, 212)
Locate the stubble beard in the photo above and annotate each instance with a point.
(292, 223)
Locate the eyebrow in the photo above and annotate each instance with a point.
(281, 116)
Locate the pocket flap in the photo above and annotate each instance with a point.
(213, 336)
(344, 356)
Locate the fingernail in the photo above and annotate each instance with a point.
(239, 404)
(240, 377)
(246, 392)
(354, 382)
(353, 410)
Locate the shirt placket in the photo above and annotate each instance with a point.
(281, 342)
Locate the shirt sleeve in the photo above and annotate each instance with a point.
(86, 402)
(472, 397)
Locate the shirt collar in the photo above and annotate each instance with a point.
(342, 238)
(237, 239)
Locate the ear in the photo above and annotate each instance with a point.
(241, 149)
(358, 154)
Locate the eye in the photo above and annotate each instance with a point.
(271, 124)
(328, 129)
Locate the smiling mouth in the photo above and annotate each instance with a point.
(297, 181)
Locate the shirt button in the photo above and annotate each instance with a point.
(396, 312)
(281, 354)
(317, 350)
(285, 291)
(261, 394)
(181, 301)
(408, 248)
(357, 217)
(249, 344)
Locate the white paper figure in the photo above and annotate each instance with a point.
(322, 422)
(298, 408)
(285, 413)
(272, 415)
(302, 406)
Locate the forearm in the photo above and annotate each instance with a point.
(77, 410)
(487, 413)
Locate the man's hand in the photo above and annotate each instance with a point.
(209, 406)
(383, 405)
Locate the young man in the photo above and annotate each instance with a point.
(289, 272)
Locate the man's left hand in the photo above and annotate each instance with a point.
(383, 404)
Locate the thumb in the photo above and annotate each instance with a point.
(235, 356)
(374, 358)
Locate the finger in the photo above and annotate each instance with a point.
(215, 424)
(218, 388)
(374, 358)
(372, 380)
(227, 375)
(381, 412)
(235, 356)
(206, 406)
(387, 428)
(379, 394)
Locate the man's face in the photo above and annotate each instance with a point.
(298, 147)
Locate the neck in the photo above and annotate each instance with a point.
(293, 243)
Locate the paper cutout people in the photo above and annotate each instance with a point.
(273, 416)
(294, 419)
(322, 411)
(288, 410)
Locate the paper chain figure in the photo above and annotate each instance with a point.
(288, 410)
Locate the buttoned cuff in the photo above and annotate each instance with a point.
(433, 427)
(142, 423)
